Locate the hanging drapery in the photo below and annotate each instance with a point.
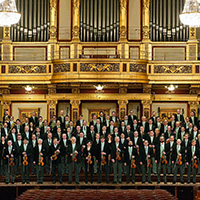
(99, 20)
(165, 24)
(35, 21)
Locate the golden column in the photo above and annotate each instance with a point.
(122, 108)
(193, 106)
(192, 45)
(145, 47)
(75, 109)
(53, 48)
(75, 31)
(146, 108)
(5, 107)
(51, 108)
(6, 50)
(123, 46)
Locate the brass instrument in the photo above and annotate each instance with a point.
(13, 125)
(53, 124)
(7, 118)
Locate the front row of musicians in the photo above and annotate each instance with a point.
(102, 155)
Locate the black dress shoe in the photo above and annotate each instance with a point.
(7, 182)
(86, 182)
(120, 182)
(194, 182)
(91, 182)
(60, 182)
(77, 182)
(174, 182)
(107, 181)
(143, 182)
(99, 182)
(54, 182)
(158, 182)
(188, 182)
(12, 182)
(133, 182)
(69, 182)
(114, 182)
(182, 182)
(165, 182)
(27, 182)
(127, 182)
(38, 182)
(23, 182)
(149, 182)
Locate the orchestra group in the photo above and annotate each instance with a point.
(104, 145)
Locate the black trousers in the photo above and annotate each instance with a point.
(88, 169)
(58, 166)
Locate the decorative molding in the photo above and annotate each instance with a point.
(75, 90)
(146, 4)
(138, 68)
(145, 32)
(193, 103)
(122, 90)
(85, 67)
(146, 103)
(53, 4)
(27, 69)
(52, 103)
(173, 69)
(61, 68)
(75, 103)
(122, 103)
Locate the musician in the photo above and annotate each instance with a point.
(178, 155)
(38, 133)
(107, 121)
(102, 159)
(12, 136)
(55, 129)
(91, 134)
(168, 133)
(165, 126)
(159, 125)
(192, 161)
(63, 150)
(52, 123)
(47, 144)
(39, 160)
(67, 120)
(122, 127)
(142, 134)
(39, 122)
(73, 160)
(135, 126)
(10, 154)
(193, 119)
(128, 133)
(145, 161)
(55, 157)
(104, 132)
(170, 145)
(181, 134)
(152, 140)
(18, 146)
(61, 118)
(177, 130)
(11, 123)
(71, 125)
(5, 130)
(161, 158)
(85, 129)
(98, 127)
(102, 118)
(131, 117)
(150, 126)
(26, 133)
(187, 123)
(18, 127)
(6, 117)
(113, 117)
(3, 146)
(88, 154)
(179, 117)
(44, 130)
(33, 118)
(116, 133)
(194, 133)
(144, 123)
(131, 157)
(33, 144)
(94, 120)
(96, 145)
(172, 123)
(116, 157)
(77, 131)
(190, 129)
(26, 123)
(80, 121)
(26, 154)
(126, 120)
(58, 134)
(110, 129)
(154, 118)
(69, 135)
(31, 128)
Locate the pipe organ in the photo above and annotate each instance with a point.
(99, 20)
(34, 24)
(164, 22)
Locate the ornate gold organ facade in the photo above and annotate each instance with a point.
(64, 69)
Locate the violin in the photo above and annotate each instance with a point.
(164, 159)
(41, 161)
(25, 160)
(89, 161)
(179, 160)
(149, 163)
(133, 165)
(194, 163)
(118, 156)
(55, 155)
(74, 157)
(103, 160)
(11, 163)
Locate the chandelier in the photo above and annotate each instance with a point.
(8, 13)
(99, 88)
(191, 13)
(171, 88)
(28, 89)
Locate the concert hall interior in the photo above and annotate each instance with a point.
(100, 95)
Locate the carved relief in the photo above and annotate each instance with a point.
(75, 90)
(138, 68)
(122, 103)
(75, 103)
(53, 4)
(61, 68)
(146, 103)
(173, 69)
(123, 32)
(145, 32)
(85, 67)
(75, 32)
(4, 91)
(146, 4)
(52, 103)
(53, 32)
(123, 4)
(27, 69)
(122, 90)
(51, 90)
(76, 4)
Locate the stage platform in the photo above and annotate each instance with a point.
(181, 191)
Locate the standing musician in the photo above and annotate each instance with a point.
(102, 159)
(170, 143)
(9, 155)
(146, 163)
(73, 153)
(116, 157)
(56, 160)
(178, 155)
(88, 154)
(192, 161)
(130, 158)
(2, 158)
(26, 153)
(18, 146)
(161, 158)
(39, 160)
